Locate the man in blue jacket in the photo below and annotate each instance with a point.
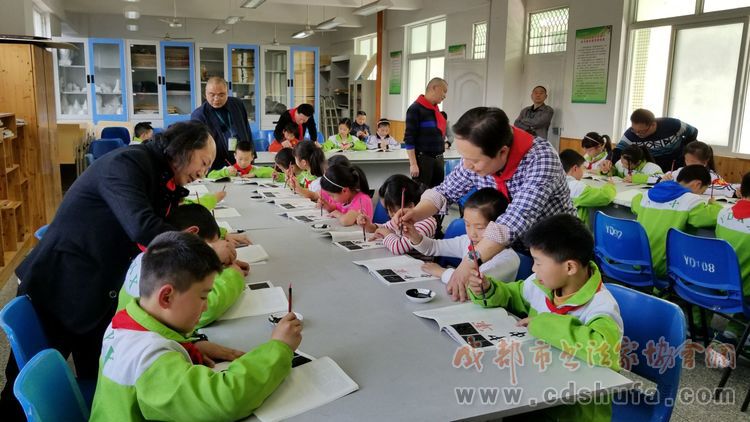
(424, 138)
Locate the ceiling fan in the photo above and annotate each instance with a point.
(174, 21)
(168, 37)
(325, 26)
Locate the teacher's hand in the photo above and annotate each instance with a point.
(456, 287)
(414, 170)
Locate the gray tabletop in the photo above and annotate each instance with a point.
(402, 363)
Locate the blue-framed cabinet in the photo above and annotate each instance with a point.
(72, 81)
(211, 60)
(243, 77)
(177, 81)
(107, 80)
(144, 70)
(305, 78)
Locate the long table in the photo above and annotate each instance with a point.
(403, 364)
(378, 166)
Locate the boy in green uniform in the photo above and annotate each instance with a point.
(243, 166)
(151, 369)
(583, 195)
(344, 140)
(565, 301)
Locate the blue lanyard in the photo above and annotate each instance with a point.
(229, 126)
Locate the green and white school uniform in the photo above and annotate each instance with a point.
(593, 164)
(585, 196)
(645, 172)
(228, 286)
(148, 371)
(733, 225)
(335, 142)
(589, 317)
(670, 205)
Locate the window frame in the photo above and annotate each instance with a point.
(474, 40)
(408, 57)
(528, 31)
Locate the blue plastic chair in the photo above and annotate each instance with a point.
(261, 144)
(461, 202)
(525, 266)
(47, 390)
(255, 130)
(19, 321)
(269, 136)
(456, 228)
(102, 146)
(623, 252)
(158, 130)
(39, 233)
(645, 318)
(706, 273)
(116, 132)
(450, 165)
(321, 138)
(26, 337)
(380, 215)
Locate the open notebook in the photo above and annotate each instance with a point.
(252, 253)
(353, 240)
(469, 323)
(257, 301)
(295, 203)
(396, 270)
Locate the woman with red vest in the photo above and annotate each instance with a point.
(525, 169)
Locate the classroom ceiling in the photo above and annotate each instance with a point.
(273, 11)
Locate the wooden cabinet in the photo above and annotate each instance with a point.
(30, 190)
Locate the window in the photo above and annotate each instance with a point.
(41, 23)
(479, 41)
(548, 31)
(367, 46)
(426, 58)
(689, 65)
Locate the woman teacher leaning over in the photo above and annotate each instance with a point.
(525, 169)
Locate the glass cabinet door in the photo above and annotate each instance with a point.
(305, 82)
(108, 74)
(210, 63)
(243, 82)
(72, 83)
(144, 79)
(275, 84)
(177, 81)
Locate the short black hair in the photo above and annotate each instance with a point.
(141, 128)
(291, 127)
(570, 158)
(694, 172)
(361, 113)
(489, 202)
(285, 157)
(346, 121)
(339, 159)
(593, 140)
(339, 176)
(485, 127)
(745, 186)
(306, 109)
(177, 258)
(701, 151)
(197, 215)
(391, 190)
(636, 153)
(182, 138)
(384, 122)
(246, 146)
(642, 116)
(562, 237)
(539, 86)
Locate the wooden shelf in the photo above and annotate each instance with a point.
(11, 169)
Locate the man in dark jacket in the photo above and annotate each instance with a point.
(226, 117)
(424, 138)
(303, 117)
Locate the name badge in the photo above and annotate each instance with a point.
(232, 143)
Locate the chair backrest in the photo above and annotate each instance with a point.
(158, 130)
(525, 266)
(39, 233)
(261, 144)
(19, 321)
(381, 214)
(321, 138)
(705, 272)
(647, 318)
(255, 130)
(116, 132)
(456, 228)
(269, 136)
(450, 165)
(464, 198)
(622, 250)
(47, 390)
(103, 146)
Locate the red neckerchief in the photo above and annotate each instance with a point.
(741, 210)
(124, 321)
(307, 183)
(441, 124)
(293, 114)
(564, 309)
(242, 171)
(522, 143)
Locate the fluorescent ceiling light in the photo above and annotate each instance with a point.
(252, 4)
(219, 30)
(330, 23)
(132, 13)
(132, 27)
(231, 20)
(372, 8)
(132, 1)
(303, 34)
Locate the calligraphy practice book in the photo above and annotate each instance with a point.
(469, 323)
(397, 269)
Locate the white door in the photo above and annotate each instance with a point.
(466, 86)
(547, 70)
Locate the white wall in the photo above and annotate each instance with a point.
(577, 119)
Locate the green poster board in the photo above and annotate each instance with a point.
(591, 66)
(394, 81)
